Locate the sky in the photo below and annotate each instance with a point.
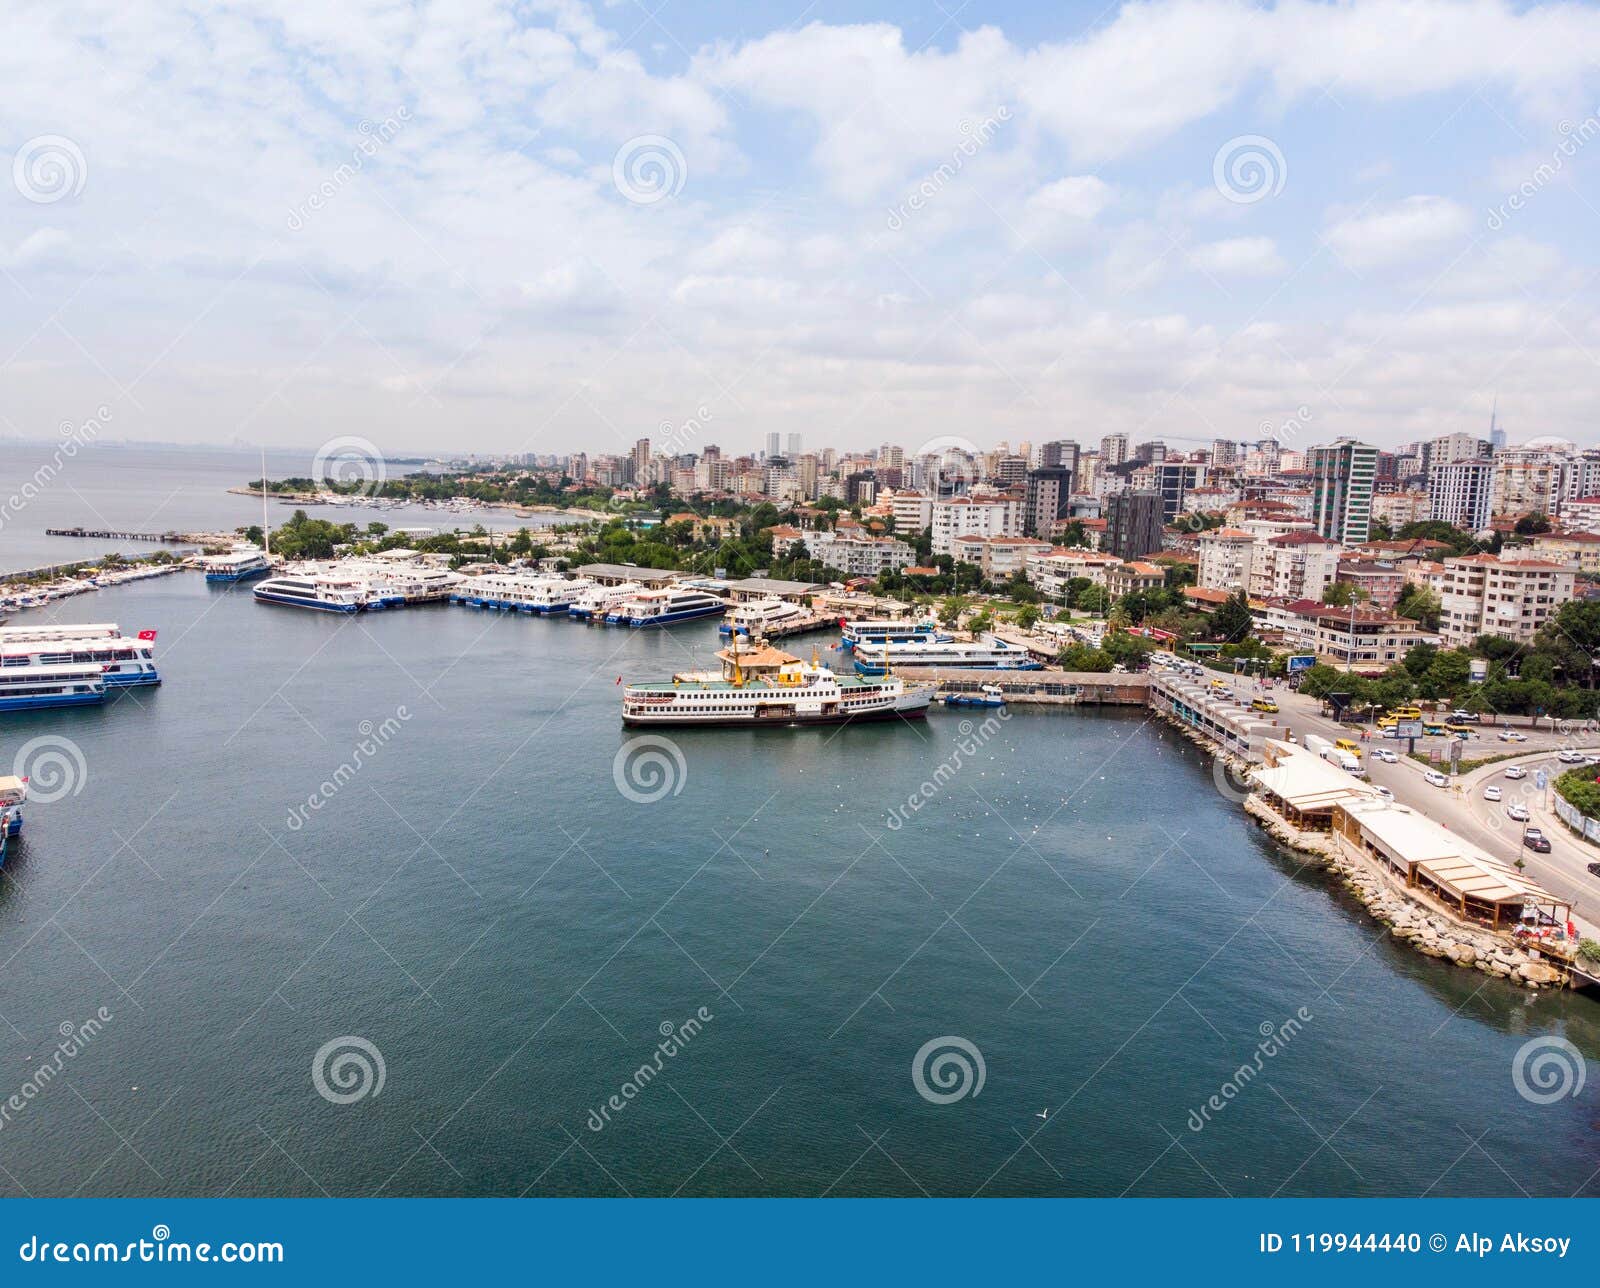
(470, 226)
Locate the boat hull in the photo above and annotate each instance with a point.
(292, 602)
(680, 720)
(41, 701)
(664, 619)
(231, 577)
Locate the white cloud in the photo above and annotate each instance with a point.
(1239, 257)
(1398, 233)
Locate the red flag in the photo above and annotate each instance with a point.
(148, 635)
(619, 679)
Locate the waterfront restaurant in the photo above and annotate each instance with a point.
(1227, 722)
(1434, 861)
(1305, 790)
(610, 574)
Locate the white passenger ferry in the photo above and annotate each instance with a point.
(895, 632)
(241, 564)
(558, 594)
(765, 687)
(987, 654)
(597, 601)
(758, 616)
(65, 685)
(513, 591)
(324, 592)
(122, 662)
(665, 607)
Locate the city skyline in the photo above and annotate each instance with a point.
(565, 227)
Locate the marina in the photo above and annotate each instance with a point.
(763, 831)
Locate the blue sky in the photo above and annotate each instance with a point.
(552, 226)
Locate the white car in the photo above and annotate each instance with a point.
(1511, 735)
(1386, 755)
(1516, 771)
(1435, 777)
(1491, 793)
(1570, 757)
(1384, 792)
(1516, 813)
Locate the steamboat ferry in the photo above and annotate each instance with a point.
(767, 687)
(665, 607)
(987, 654)
(597, 601)
(879, 632)
(758, 616)
(320, 591)
(121, 662)
(242, 564)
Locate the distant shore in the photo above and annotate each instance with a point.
(334, 498)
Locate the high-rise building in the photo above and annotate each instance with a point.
(1342, 475)
(1060, 454)
(794, 446)
(1150, 453)
(641, 461)
(1010, 470)
(1113, 450)
(1133, 524)
(1224, 452)
(1049, 498)
(774, 445)
(1461, 493)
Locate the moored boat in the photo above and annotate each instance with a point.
(758, 616)
(242, 564)
(990, 653)
(666, 607)
(890, 631)
(764, 687)
(318, 591)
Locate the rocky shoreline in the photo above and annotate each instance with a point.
(1428, 931)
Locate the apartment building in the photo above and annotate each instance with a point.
(1000, 558)
(1294, 565)
(1513, 598)
(1461, 493)
(962, 516)
(1225, 556)
(1342, 475)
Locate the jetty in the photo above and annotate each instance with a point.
(168, 538)
(1039, 688)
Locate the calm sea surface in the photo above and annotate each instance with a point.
(475, 897)
(109, 487)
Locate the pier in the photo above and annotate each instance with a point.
(168, 538)
(1039, 688)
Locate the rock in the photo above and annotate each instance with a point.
(1430, 948)
(1537, 973)
(1463, 954)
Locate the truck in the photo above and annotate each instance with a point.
(1346, 760)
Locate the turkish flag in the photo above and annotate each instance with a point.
(148, 635)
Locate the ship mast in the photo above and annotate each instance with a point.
(266, 530)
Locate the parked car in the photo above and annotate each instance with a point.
(1386, 754)
(1516, 813)
(1516, 771)
(1491, 793)
(1511, 735)
(1435, 777)
(1537, 843)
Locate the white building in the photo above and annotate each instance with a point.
(962, 517)
(1513, 598)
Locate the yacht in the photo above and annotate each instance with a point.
(989, 653)
(895, 632)
(597, 601)
(13, 792)
(762, 686)
(324, 592)
(71, 684)
(241, 564)
(758, 616)
(666, 607)
(125, 662)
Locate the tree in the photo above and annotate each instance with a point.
(1421, 605)
(1232, 620)
(1532, 524)
(1342, 594)
(1028, 617)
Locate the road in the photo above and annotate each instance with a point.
(1462, 807)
